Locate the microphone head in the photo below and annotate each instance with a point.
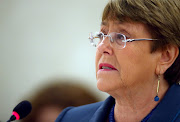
(22, 109)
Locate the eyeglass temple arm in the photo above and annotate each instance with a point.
(131, 40)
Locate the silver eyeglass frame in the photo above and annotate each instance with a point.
(92, 37)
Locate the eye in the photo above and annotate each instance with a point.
(119, 36)
(125, 33)
(99, 35)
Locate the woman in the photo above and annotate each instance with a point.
(137, 63)
(53, 97)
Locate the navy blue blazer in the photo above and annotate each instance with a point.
(168, 110)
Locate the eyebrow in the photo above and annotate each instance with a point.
(118, 22)
(106, 23)
(103, 23)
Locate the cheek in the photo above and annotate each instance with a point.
(134, 65)
(125, 66)
(98, 56)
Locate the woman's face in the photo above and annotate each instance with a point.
(133, 65)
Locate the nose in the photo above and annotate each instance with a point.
(105, 47)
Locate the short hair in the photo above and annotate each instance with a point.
(161, 17)
(60, 93)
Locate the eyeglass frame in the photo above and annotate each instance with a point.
(91, 38)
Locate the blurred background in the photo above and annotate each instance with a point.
(45, 39)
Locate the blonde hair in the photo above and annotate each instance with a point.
(161, 17)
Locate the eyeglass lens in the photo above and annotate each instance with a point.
(116, 39)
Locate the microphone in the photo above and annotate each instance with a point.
(21, 111)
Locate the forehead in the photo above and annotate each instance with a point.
(131, 27)
(108, 22)
(122, 23)
(128, 25)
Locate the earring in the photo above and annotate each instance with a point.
(156, 98)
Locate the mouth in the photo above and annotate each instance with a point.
(107, 67)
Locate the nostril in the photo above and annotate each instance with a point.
(106, 52)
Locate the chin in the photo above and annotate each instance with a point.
(104, 85)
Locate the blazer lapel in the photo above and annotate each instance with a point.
(102, 113)
(169, 108)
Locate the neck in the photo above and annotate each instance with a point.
(134, 103)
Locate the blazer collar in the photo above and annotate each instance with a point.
(169, 108)
(103, 111)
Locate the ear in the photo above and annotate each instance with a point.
(167, 58)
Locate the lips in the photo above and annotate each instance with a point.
(106, 67)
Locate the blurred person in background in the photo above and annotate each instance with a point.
(51, 99)
(137, 64)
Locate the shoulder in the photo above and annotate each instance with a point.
(169, 108)
(176, 102)
(78, 114)
(96, 112)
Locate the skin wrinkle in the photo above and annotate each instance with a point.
(127, 91)
(130, 94)
(139, 63)
(129, 98)
(157, 14)
(130, 101)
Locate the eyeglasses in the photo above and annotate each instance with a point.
(117, 40)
